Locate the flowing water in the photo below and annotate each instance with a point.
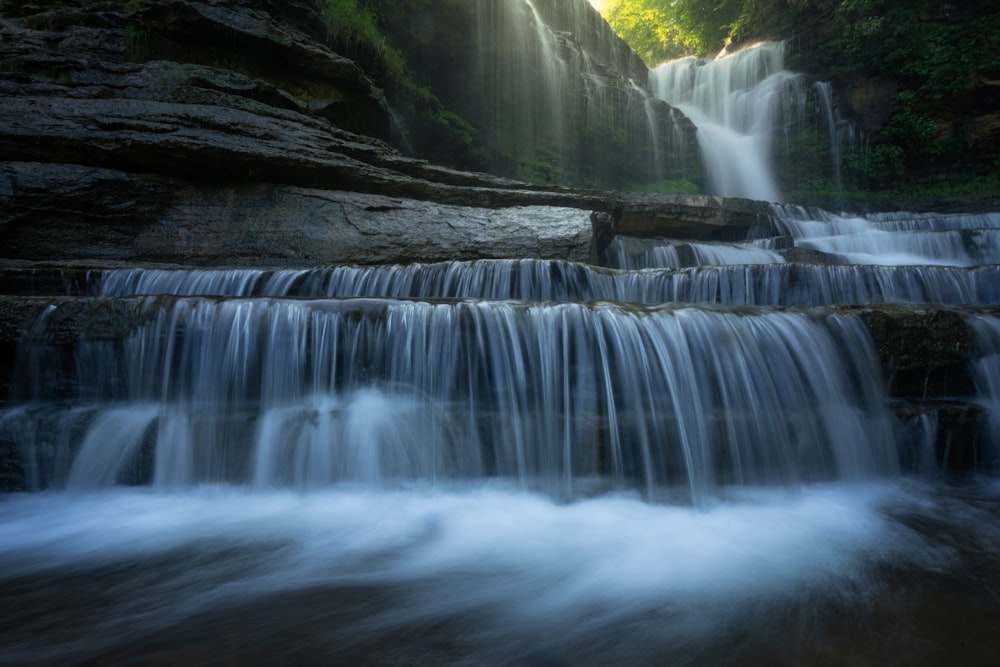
(734, 103)
(503, 462)
(743, 104)
(511, 462)
(561, 95)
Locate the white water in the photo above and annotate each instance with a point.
(986, 375)
(896, 240)
(632, 254)
(495, 482)
(484, 575)
(775, 284)
(522, 479)
(737, 103)
(673, 402)
(553, 81)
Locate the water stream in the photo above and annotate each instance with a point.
(510, 462)
(503, 462)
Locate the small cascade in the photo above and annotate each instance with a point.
(560, 453)
(895, 239)
(825, 96)
(761, 284)
(986, 374)
(772, 450)
(630, 254)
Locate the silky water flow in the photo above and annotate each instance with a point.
(507, 462)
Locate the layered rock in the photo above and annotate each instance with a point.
(153, 131)
(555, 95)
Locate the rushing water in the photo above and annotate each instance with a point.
(513, 462)
(494, 576)
(734, 102)
(743, 104)
(501, 463)
(556, 89)
(311, 393)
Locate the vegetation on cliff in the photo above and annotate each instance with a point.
(661, 30)
(919, 78)
(432, 130)
(940, 57)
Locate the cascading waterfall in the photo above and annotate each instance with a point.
(515, 462)
(777, 284)
(986, 374)
(742, 103)
(277, 393)
(896, 239)
(541, 458)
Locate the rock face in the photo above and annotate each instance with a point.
(227, 131)
(71, 212)
(107, 154)
(695, 217)
(555, 95)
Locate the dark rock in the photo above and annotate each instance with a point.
(950, 436)
(12, 473)
(924, 351)
(69, 212)
(695, 217)
(552, 95)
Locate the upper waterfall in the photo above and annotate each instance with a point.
(740, 104)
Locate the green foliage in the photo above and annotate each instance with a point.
(935, 46)
(881, 166)
(935, 50)
(356, 29)
(540, 166)
(914, 132)
(437, 131)
(648, 29)
(660, 30)
(354, 25)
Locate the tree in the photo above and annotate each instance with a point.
(660, 30)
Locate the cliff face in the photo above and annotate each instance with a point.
(210, 131)
(197, 131)
(553, 94)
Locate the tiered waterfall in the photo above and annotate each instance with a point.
(698, 453)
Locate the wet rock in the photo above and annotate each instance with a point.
(924, 352)
(12, 473)
(695, 217)
(951, 436)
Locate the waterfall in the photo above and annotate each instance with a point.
(560, 98)
(896, 239)
(986, 374)
(777, 448)
(742, 104)
(503, 461)
(824, 93)
(311, 393)
(763, 284)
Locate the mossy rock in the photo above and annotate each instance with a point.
(924, 353)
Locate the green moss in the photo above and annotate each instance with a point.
(354, 23)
